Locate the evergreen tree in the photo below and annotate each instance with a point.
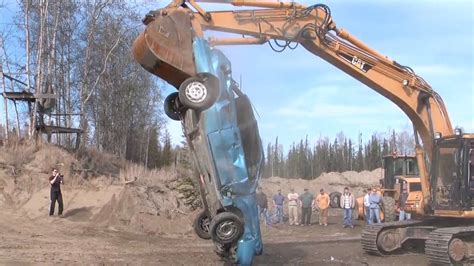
(167, 156)
(153, 149)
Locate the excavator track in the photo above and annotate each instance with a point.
(370, 235)
(445, 246)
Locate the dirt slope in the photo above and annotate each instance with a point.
(95, 190)
(148, 205)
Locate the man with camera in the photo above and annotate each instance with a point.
(56, 180)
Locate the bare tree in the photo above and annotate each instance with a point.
(81, 51)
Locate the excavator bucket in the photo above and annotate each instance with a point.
(165, 47)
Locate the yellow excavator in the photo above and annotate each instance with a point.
(447, 228)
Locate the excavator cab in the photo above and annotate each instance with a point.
(452, 173)
(398, 166)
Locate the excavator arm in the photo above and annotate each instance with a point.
(168, 40)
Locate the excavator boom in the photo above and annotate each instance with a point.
(169, 35)
(165, 49)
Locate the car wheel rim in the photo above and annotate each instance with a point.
(196, 92)
(205, 224)
(227, 230)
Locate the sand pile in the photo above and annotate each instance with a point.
(97, 190)
(356, 181)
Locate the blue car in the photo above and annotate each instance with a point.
(222, 133)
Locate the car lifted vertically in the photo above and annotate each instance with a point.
(220, 129)
(447, 227)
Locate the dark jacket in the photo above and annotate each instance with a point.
(262, 200)
(57, 184)
(403, 200)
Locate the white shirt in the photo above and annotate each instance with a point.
(366, 200)
(293, 199)
(347, 202)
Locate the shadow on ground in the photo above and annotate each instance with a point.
(78, 214)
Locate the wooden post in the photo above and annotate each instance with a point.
(78, 141)
(5, 103)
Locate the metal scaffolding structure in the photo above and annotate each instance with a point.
(30, 99)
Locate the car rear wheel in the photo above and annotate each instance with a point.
(199, 92)
(226, 228)
(171, 106)
(201, 225)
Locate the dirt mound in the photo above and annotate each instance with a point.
(99, 190)
(151, 205)
(356, 181)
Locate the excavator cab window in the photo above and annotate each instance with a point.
(398, 167)
(448, 188)
(412, 167)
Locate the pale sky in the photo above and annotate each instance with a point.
(296, 93)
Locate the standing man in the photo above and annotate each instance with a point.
(347, 204)
(56, 180)
(262, 204)
(307, 204)
(401, 204)
(323, 204)
(367, 205)
(375, 200)
(293, 198)
(278, 200)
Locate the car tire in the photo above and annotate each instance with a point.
(226, 228)
(259, 252)
(335, 199)
(202, 224)
(171, 106)
(200, 92)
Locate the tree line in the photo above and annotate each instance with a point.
(308, 161)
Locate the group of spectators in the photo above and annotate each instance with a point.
(306, 202)
(373, 201)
